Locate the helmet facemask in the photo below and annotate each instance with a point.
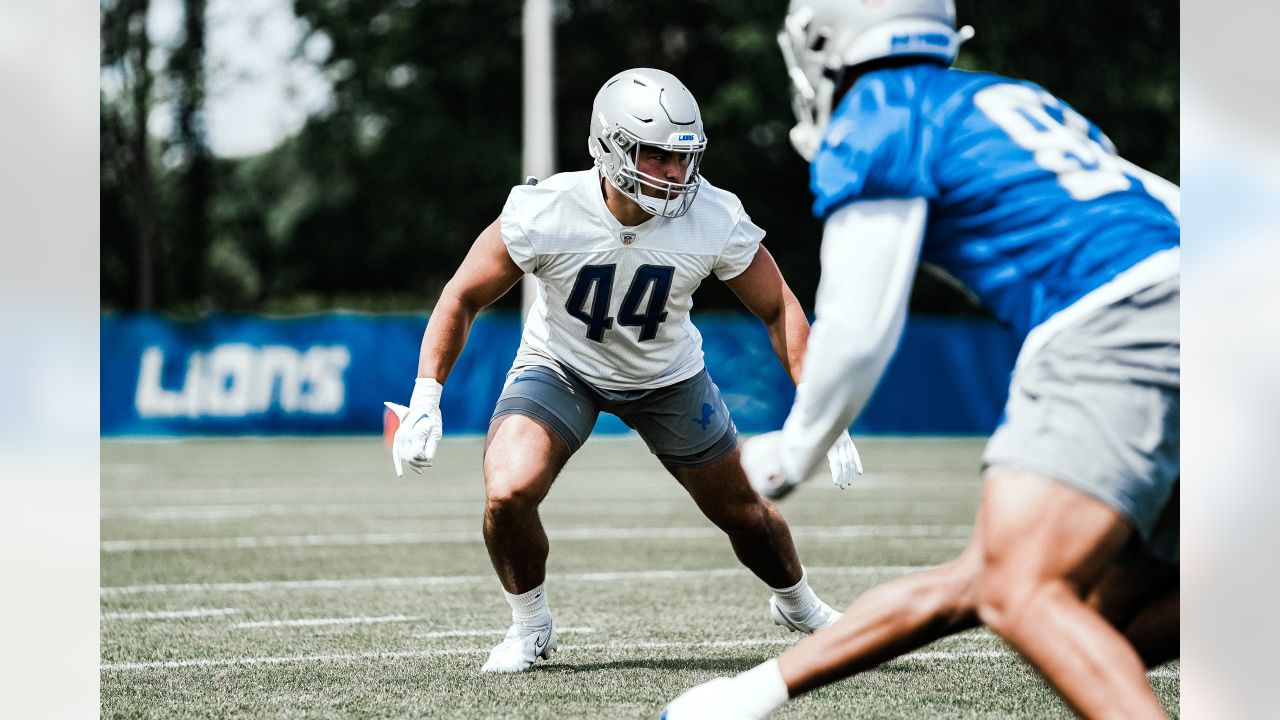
(821, 39)
(669, 199)
(812, 87)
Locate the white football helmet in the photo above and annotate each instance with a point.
(644, 106)
(820, 38)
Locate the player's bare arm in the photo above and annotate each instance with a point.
(485, 275)
(764, 292)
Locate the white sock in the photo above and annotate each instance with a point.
(798, 598)
(530, 608)
(761, 688)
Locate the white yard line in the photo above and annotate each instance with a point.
(309, 622)
(424, 510)
(208, 495)
(352, 657)
(496, 633)
(171, 614)
(614, 646)
(839, 532)
(249, 511)
(445, 580)
(611, 646)
(377, 619)
(435, 509)
(324, 584)
(223, 662)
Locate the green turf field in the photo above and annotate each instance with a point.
(302, 579)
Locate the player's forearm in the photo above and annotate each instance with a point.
(789, 335)
(445, 337)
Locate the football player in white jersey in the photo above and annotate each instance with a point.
(618, 251)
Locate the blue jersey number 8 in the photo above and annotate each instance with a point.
(1058, 137)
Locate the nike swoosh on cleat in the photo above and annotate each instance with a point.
(539, 644)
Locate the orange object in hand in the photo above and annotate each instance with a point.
(390, 423)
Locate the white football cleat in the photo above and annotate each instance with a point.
(719, 699)
(522, 646)
(818, 617)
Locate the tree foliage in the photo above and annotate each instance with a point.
(376, 200)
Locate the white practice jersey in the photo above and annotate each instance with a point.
(613, 301)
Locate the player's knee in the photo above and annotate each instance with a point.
(1004, 597)
(1000, 588)
(509, 496)
(954, 596)
(944, 597)
(996, 602)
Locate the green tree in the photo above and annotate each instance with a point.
(130, 223)
(192, 171)
(375, 201)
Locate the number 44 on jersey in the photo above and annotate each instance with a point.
(589, 299)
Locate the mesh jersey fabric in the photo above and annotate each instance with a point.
(613, 302)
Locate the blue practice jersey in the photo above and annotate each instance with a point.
(1029, 204)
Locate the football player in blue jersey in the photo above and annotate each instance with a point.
(1074, 556)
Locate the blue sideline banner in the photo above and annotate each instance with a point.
(247, 374)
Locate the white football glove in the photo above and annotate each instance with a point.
(420, 428)
(845, 462)
(763, 463)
